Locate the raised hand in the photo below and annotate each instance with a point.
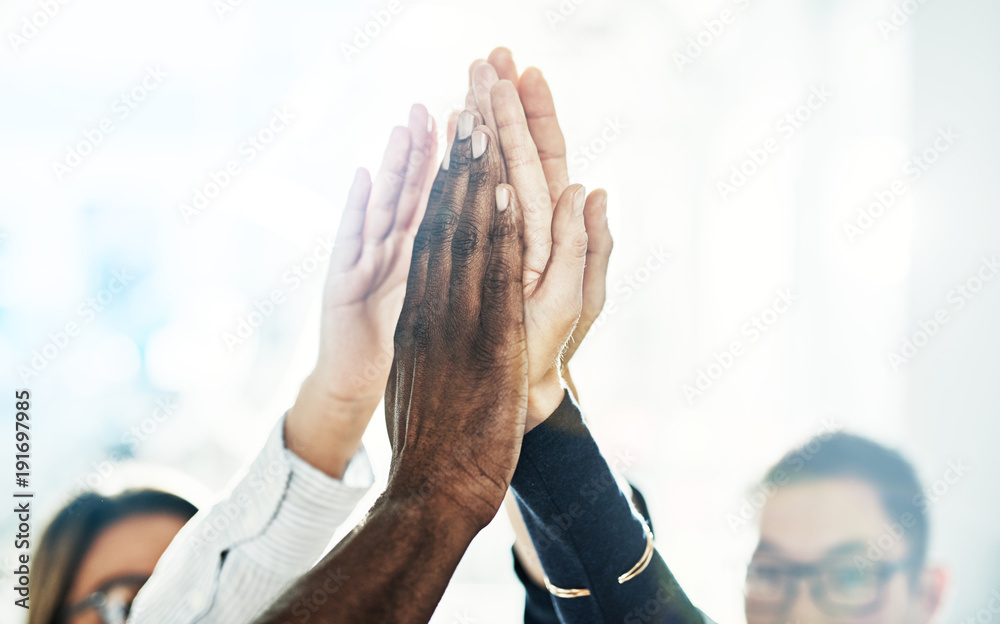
(569, 247)
(455, 403)
(362, 298)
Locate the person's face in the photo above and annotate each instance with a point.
(116, 566)
(817, 537)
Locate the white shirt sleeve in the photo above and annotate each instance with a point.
(233, 559)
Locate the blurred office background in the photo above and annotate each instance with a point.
(653, 109)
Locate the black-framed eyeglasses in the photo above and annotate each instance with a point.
(111, 601)
(839, 588)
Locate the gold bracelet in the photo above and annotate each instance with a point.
(559, 592)
(647, 556)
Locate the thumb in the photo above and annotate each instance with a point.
(561, 290)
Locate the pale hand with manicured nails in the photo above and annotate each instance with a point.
(567, 240)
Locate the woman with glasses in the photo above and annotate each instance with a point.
(98, 552)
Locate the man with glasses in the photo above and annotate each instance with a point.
(843, 538)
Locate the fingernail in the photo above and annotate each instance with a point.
(503, 198)
(479, 140)
(465, 121)
(579, 200)
(430, 124)
(447, 157)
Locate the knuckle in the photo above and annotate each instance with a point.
(466, 241)
(443, 222)
(421, 240)
(421, 332)
(496, 282)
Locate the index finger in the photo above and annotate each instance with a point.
(540, 110)
(524, 169)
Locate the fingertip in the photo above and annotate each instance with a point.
(466, 122)
(598, 199)
(480, 141)
(573, 199)
(418, 111)
(472, 68)
(484, 73)
(532, 76)
(503, 60)
(503, 197)
(357, 195)
(418, 123)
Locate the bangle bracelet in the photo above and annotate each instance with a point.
(647, 556)
(559, 592)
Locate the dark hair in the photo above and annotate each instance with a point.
(843, 455)
(69, 536)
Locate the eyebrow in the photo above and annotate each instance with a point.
(845, 548)
(121, 579)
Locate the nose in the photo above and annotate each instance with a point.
(803, 609)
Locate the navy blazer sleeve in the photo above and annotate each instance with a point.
(586, 531)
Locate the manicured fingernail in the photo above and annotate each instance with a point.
(503, 198)
(430, 124)
(479, 141)
(465, 121)
(447, 157)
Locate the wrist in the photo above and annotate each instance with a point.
(429, 503)
(324, 429)
(543, 398)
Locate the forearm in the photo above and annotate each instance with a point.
(233, 558)
(325, 430)
(393, 568)
(586, 532)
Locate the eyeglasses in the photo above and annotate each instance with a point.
(839, 588)
(110, 603)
